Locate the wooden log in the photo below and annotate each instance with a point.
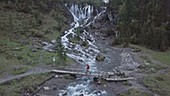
(119, 79)
(98, 75)
(72, 72)
(80, 73)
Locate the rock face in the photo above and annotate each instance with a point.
(100, 57)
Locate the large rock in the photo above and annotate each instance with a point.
(100, 57)
(53, 41)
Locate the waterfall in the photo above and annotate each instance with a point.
(83, 16)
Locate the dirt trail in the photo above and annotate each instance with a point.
(33, 71)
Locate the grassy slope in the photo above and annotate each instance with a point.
(158, 82)
(17, 27)
(163, 57)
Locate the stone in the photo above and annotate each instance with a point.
(46, 88)
(53, 41)
(44, 43)
(100, 57)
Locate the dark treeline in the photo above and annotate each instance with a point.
(144, 22)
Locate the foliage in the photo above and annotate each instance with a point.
(144, 22)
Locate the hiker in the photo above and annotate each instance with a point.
(87, 69)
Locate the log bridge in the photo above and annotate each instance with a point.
(107, 76)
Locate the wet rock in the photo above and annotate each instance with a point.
(46, 88)
(44, 43)
(100, 57)
(53, 41)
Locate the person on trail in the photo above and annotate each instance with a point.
(87, 69)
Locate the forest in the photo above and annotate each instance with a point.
(143, 22)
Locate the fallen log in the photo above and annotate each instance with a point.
(119, 79)
(81, 73)
(97, 75)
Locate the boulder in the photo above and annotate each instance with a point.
(53, 41)
(100, 57)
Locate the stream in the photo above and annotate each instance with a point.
(79, 45)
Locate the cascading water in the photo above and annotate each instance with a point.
(79, 45)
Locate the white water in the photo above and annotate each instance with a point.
(82, 54)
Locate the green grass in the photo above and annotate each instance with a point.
(163, 57)
(16, 87)
(134, 92)
(16, 26)
(158, 83)
(19, 70)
